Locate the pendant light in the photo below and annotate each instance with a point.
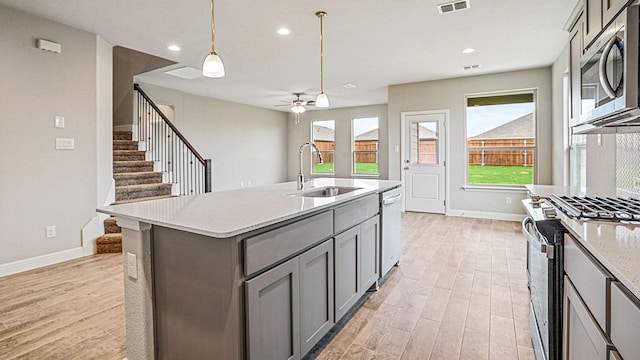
(322, 101)
(212, 66)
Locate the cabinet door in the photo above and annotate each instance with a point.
(316, 295)
(369, 242)
(592, 20)
(575, 52)
(611, 8)
(347, 289)
(273, 314)
(582, 339)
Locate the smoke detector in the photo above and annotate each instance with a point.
(453, 6)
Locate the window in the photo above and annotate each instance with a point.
(365, 146)
(501, 139)
(323, 135)
(578, 162)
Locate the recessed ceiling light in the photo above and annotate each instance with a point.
(468, 50)
(349, 86)
(283, 31)
(173, 47)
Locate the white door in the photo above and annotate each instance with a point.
(423, 160)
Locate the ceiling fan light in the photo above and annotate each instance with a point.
(322, 101)
(213, 66)
(298, 109)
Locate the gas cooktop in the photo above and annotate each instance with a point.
(598, 208)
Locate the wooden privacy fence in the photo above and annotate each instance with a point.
(365, 151)
(503, 152)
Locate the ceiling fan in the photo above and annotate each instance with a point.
(298, 104)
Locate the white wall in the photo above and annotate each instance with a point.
(300, 133)
(560, 124)
(246, 144)
(450, 94)
(40, 185)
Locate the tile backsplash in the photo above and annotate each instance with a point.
(628, 164)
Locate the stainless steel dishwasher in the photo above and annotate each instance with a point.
(390, 220)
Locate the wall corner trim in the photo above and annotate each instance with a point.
(40, 261)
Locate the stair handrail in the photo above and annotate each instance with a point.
(205, 162)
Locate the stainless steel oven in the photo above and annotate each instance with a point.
(609, 75)
(544, 235)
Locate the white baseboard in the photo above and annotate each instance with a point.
(485, 215)
(40, 261)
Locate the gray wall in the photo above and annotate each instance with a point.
(40, 185)
(245, 143)
(450, 94)
(301, 133)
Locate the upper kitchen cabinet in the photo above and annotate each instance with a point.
(592, 20)
(597, 15)
(575, 53)
(610, 8)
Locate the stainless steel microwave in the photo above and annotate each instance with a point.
(609, 76)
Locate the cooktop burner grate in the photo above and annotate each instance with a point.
(598, 208)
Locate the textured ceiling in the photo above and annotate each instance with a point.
(369, 43)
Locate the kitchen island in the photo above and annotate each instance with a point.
(252, 273)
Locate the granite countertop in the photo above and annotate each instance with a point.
(615, 245)
(229, 213)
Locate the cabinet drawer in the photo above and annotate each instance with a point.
(591, 280)
(266, 249)
(625, 321)
(356, 212)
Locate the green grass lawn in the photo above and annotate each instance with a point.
(507, 175)
(361, 168)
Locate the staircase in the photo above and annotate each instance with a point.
(135, 181)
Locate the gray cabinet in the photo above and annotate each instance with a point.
(316, 295)
(369, 243)
(347, 264)
(592, 20)
(611, 8)
(582, 338)
(273, 313)
(625, 321)
(575, 53)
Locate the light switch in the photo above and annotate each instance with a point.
(65, 144)
(132, 266)
(60, 121)
(51, 231)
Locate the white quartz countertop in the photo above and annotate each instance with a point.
(229, 213)
(615, 245)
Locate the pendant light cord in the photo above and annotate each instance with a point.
(213, 33)
(321, 15)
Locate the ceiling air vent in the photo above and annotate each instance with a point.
(453, 6)
(471, 67)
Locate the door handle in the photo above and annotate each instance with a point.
(604, 81)
(406, 168)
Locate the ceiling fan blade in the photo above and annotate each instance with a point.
(288, 104)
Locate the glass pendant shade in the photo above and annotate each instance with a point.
(322, 101)
(213, 66)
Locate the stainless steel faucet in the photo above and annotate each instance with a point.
(301, 179)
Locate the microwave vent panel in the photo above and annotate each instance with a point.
(453, 6)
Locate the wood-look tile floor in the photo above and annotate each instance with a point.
(460, 292)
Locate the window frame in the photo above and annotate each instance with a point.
(312, 152)
(353, 150)
(534, 149)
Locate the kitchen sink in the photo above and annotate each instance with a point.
(326, 191)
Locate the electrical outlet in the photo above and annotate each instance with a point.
(508, 200)
(59, 123)
(132, 266)
(51, 231)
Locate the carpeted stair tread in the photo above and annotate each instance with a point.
(142, 190)
(132, 166)
(122, 135)
(125, 145)
(128, 155)
(111, 226)
(143, 187)
(141, 177)
(142, 199)
(109, 243)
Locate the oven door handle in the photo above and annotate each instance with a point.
(536, 239)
